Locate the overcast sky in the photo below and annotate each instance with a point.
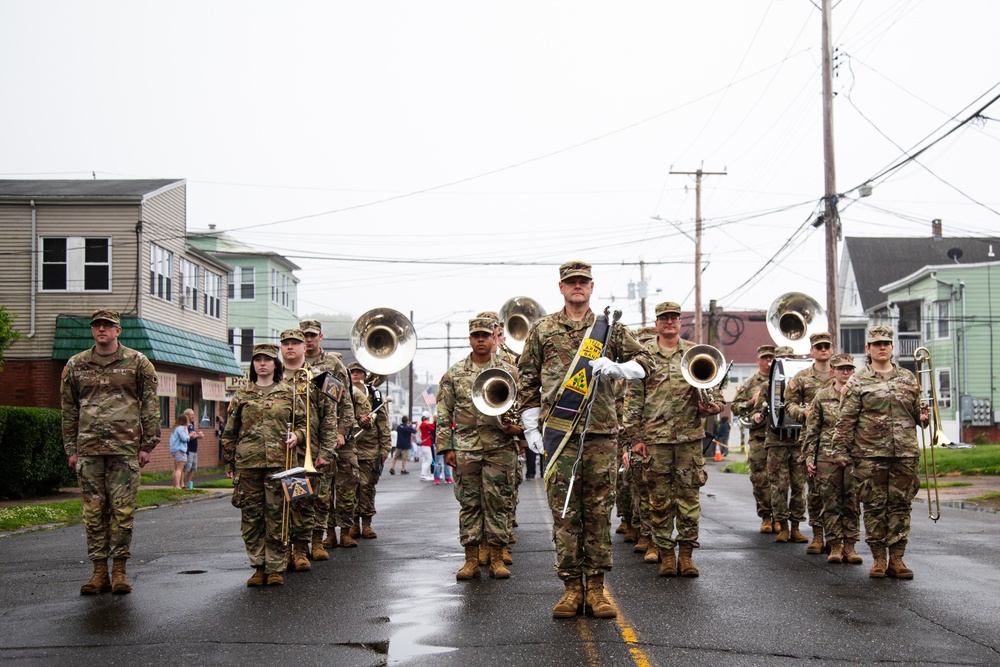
(506, 137)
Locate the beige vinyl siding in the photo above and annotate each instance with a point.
(15, 276)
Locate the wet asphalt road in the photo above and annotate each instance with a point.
(394, 600)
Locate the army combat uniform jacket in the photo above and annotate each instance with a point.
(374, 441)
(474, 431)
(800, 390)
(817, 434)
(111, 408)
(879, 414)
(258, 426)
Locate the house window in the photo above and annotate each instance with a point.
(943, 387)
(189, 284)
(286, 292)
(275, 279)
(241, 284)
(928, 320)
(161, 272)
(164, 412)
(943, 318)
(241, 342)
(213, 294)
(75, 264)
(852, 341)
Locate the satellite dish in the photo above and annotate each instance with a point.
(955, 254)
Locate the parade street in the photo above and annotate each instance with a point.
(394, 599)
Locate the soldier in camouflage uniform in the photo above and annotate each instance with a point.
(879, 413)
(342, 473)
(798, 396)
(832, 471)
(665, 421)
(254, 447)
(786, 473)
(322, 441)
(110, 424)
(637, 477)
(623, 490)
(373, 443)
(482, 452)
(583, 538)
(743, 406)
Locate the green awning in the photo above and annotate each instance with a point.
(158, 342)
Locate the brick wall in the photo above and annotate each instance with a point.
(31, 383)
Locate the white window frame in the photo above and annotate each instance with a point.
(942, 321)
(242, 353)
(944, 396)
(212, 298)
(238, 283)
(161, 272)
(275, 286)
(75, 264)
(190, 275)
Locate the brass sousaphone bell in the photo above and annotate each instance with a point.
(384, 341)
(792, 318)
(517, 315)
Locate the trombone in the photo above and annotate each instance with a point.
(301, 385)
(931, 436)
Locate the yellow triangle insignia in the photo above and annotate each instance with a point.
(578, 382)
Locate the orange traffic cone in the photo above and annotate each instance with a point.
(718, 451)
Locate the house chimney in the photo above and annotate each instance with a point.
(936, 229)
(211, 226)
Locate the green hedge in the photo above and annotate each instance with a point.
(34, 461)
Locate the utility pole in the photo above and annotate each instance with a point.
(697, 244)
(409, 402)
(447, 345)
(830, 215)
(711, 322)
(642, 290)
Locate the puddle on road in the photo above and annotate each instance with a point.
(417, 616)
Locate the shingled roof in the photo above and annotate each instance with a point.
(18, 189)
(878, 261)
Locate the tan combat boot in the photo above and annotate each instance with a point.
(99, 581)
(366, 529)
(355, 531)
(836, 552)
(471, 568)
(776, 526)
(119, 584)
(850, 555)
(782, 531)
(652, 554)
(622, 527)
(275, 579)
(484, 554)
(668, 563)
(505, 554)
(816, 546)
(299, 559)
(331, 539)
(257, 579)
(498, 570)
(569, 604)
(878, 569)
(897, 568)
(318, 552)
(766, 526)
(598, 604)
(796, 535)
(684, 563)
(642, 544)
(632, 534)
(346, 540)
(512, 539)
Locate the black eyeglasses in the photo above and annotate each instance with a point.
(103, 325)
(822, 346)
(668, 317)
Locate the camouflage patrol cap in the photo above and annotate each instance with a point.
(493, 315)
(576, 268)
(880, 333)
(841, 360)
(784, 351)
(485, 324)
(104, 315)
(820, 337)
(668, 307)
(311, 326)
(292, 334)
(355, 366)
(765, 351)
(267, 349)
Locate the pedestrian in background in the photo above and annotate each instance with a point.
(426, 447)
(179, 439)
(404, 442)
(192, 450)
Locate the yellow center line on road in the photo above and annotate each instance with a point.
(629, 635)
(589, 643)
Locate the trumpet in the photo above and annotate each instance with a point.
(931, 436)
(702, 367)
(384, 341)
(494, 393)
(517, 315)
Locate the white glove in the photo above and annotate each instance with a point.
(630, 370)
(533, 436)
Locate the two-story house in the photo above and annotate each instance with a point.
(73, 246)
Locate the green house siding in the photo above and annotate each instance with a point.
(157, 341)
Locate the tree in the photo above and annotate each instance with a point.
(8, 334)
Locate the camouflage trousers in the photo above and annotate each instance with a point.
(886, 487)
(757, 460)
(583, 537)
(675, 474)
(109, 485)
(323, 501)
(640, 496)
(515, 497)
(787, 473)
(346, 481)
(814, 502)
(839, 511)
(261, 500)
(368, 476)
(484, 482)
(623, 490)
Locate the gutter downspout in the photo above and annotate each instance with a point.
(34, 265)
(138, 267)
